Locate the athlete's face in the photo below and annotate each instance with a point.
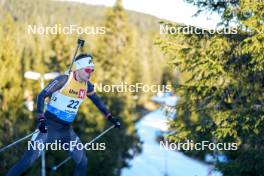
(85, 73)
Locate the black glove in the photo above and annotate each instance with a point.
(114, 121)
(42, 123)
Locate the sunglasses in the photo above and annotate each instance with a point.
(88, 70)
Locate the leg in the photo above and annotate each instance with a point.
(81, 162)
(29, 156)
(78, 156)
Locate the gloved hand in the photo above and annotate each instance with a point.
(114, 121)
(42, 123)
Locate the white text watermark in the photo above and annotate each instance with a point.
(59, 145)
(133, 88)
(189, 145)
(168, 29)
(66, 30)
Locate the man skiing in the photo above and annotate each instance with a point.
(66, 93)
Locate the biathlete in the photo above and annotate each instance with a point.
(66, 93)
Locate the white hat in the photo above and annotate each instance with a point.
(84, 62)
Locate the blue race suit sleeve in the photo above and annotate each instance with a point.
(53, 86)
(96, 100)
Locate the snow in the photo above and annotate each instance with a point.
(156, 160)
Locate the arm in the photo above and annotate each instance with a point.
(53, 86)
(96, 100)
(100, 105)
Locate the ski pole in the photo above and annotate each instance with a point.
(80, 43)
(55, 168)
(17, 141)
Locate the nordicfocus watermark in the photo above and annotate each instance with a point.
(169, 29)
(58, 145)
(66, 30)
(189, 145)
(137, 87)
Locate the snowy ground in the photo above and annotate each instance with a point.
(158, 161)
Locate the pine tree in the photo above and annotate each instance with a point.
(113, 58)
(222, 99)
(12, 110)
